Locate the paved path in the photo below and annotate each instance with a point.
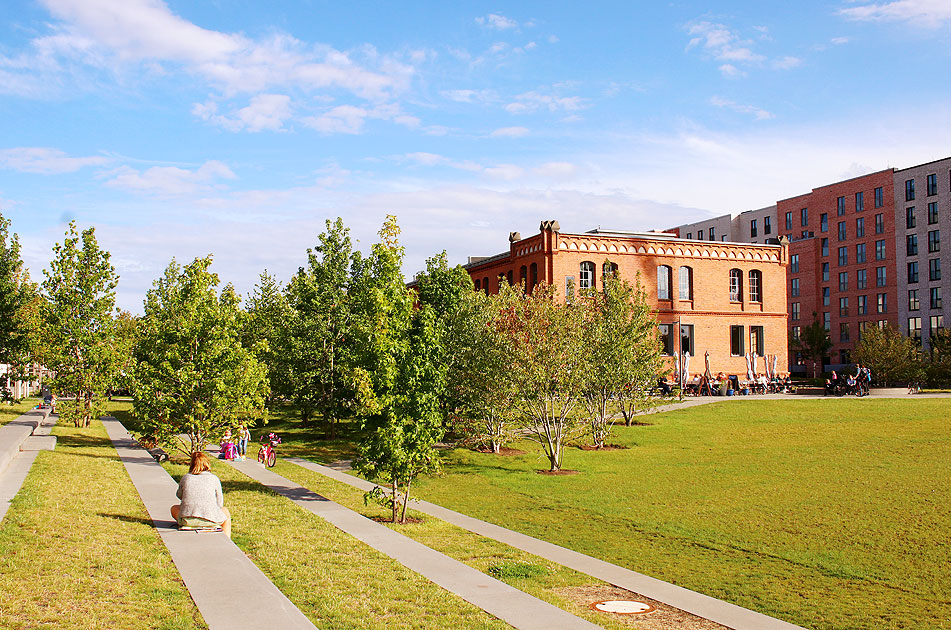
(220, 578)
(519, 609)
(16, 453)
(698, 604)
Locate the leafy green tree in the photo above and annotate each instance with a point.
(814, 343)
(892, 357)
(124, 339)
(193, 377)
(265, 330)
(939, 364)
(78, 327)
(18, 308)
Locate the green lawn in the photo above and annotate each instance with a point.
(13, 411)
(829, 513)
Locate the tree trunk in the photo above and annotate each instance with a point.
(394, 497)
(405, 503)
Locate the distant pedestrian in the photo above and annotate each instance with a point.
(243, 436)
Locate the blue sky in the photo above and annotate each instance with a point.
(181, 128)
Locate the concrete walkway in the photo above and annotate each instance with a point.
(20, 442)
(698, 604)
(511, 605)
(220, 578)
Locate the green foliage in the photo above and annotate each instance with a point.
(893, 357)
(265, 331)
(814, 343)
(938, 367)
(19, 308)
(517, 570)
(193, 376)
(78, 326)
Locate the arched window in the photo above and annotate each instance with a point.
(485, 285)
(586, 275)
(736, 285)
(523, 277)
(663, 282)
(508, 277)
(478, 285)
(533, 277)
(685, 282)
(608, 270)
(756, 285)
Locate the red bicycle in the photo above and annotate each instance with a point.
(267, 455)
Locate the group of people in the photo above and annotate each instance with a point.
(729, 385)
(235, 447)
(857, 384)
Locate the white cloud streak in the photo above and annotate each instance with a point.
(497, 22)
(45, 160)
(510, 132)
(756, 112)
(170, 180)
(928, 13)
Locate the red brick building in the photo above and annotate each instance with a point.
(725, 298)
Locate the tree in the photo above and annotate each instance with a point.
(77, 329)
(939, 364)
(124, 339)
(265, 331)
(193, 376)
(19, 307)
(622, 352)
(814, 343)
(891, 356)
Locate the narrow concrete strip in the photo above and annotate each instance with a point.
(511, 605)
(220, 578)
(13, 433)
(39, 443)
(725, 613)
(11, 480)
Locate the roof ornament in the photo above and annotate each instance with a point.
(549, 226)
(514, 236)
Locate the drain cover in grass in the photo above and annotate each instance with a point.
(622, 607)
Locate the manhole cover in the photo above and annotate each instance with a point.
(622, 607)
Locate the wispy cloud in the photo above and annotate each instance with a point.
(756, 112)
(509, 132)
(534, 100)
(46, 160)
(928, 13)
(497, 22)
(469, 96)
(735, 52)
(170, 180)
(266, 112)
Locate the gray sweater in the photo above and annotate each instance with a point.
(201, 497)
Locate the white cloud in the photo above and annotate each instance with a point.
(170, 180)
(729, 70)
(534, 100)
(839, 40)
(497, 22)
(928, 13)
(509, 132)
(758, 114)
(427, 159)
(340, 119)
(723, 44)
(786, 63)
(505, 172)
(266, 112)
(46, 160)
(556, 170)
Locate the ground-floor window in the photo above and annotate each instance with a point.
(757, 342)
(736, 341)
(686, 338)
(666, 341)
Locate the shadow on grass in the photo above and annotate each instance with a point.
(128, 519)
(240, 485)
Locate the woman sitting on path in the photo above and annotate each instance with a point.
(202, 500)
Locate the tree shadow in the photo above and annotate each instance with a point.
(128, 519)
(240, 485)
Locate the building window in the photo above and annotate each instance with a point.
(843, 256)
(825, 272)
(523, 277)
(882, 302)
(712, 234)
(736, 285)
(485, 285)
(686, 339)
(935, 297)
(794, 287)
(823, 222)
(860, 253)
(569, 288)
(827, 321)
(860, 227)
(843, 307)
(789, 220)
(879, 223)
(859, 202)
(844, 281)
(737, 348)
(932, 185)
(861, 279)
(509, 278)
(663, 282)
(932, 213)
(910, 217)
(914, 329)
(826, 295)
(842, 232)
(861, 305)
(666, 341)
(909, 190)
(794, 263)
(689, 235)
(824, 247)
(934, 269)
(796, 332)
(608, 270)
(911, 245)
(934, 241)
(756, 286)
(767, 225)
(795, 311)
(880, 276)
(935, 324)
(753, 231)
(686, 283)
(804, 217)
(757, 341)
(913, 272)
(880, 250)
(586, 276)
(879, 197)
(478, 285)
(840, 206)
(913, 302)
(533, 275)
(844, 332)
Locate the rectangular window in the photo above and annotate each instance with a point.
(843, 307)
(844, 281)
(861, 305)
(789, 220)
(934, 269)
(879, 197)
(880, 250)
(663, 282)
(795, 311)
(757, 342)
(934, 241)
(753, 231)
(794, 263)
(756, 290)
(826, 293)
(911, 245)
(882, 302)
(824, 244)
(686, 339)
(823, 222)
(879, 223)
(935, 297)
(737, 348)
(909, 190)
(712, 234)
(932, 185)
(569, 288)
(860, 253)
(827, 321)
(935, 324)
(843, 256)
(666, 341)
(844, 331)
(842, 233)
(794, 287)
(689, 235)
(796, 332)
(840, 206)
(880, 276)
(910, 217)
(932, 213)
(767, 225)
(913, 302)
(804, 217)
(914, 328)
(861, 279)
(825, 272)
(860, 227)
(859, 202)
(913, 272)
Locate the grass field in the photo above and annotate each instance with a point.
(829, 513)
(13, 411)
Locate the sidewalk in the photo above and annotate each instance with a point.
(509, 604)
(18, 451)
(689, 601)
(218, 575)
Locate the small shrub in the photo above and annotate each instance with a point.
(505, 570)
